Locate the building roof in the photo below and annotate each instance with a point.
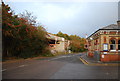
(53, 37)
(112, 26)
(109, 27)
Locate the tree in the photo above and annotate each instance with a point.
(6, 28)
(21, 37)
(77, 43)
(28, 17)
(60, 34)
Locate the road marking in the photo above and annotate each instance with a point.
(65, 56)
(59, 58)
(55, 58)
(22, 65)
(107, 73)
(97, 64)
(4, 70)
(86, 63)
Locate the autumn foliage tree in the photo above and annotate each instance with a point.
(60, 34)
(20, 36)
(77, 43)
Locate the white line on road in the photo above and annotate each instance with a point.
(59, 58)
(65, 56)
(107, 73)
(55, 58)
(22, 65)
(18, 66)
(4, 70)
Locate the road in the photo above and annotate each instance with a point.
(59, 67)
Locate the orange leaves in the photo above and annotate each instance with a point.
(9, 24)
(8, 33)
(18, 25)
(26, 29)
(77, 44)
(23, 20)
(20, 35)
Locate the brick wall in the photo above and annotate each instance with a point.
(110, 57)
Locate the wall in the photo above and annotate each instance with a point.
(60, 47)
(104, 38)
(110, 57)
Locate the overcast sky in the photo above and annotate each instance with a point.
(78, 18)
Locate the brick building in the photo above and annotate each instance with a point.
(104, 44)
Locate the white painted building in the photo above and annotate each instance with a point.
(58, 44)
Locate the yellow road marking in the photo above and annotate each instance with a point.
(83, 61)
(97, 64)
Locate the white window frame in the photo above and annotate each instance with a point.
(105, 47)
(114, 46)
(118, 45)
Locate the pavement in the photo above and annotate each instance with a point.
(92, 62)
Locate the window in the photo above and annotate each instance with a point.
(112, 45)
(118, 44)
(57, 42)
(86, 46)
(105, 47)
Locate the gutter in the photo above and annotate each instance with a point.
(99, 30)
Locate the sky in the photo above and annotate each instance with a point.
(78, 18)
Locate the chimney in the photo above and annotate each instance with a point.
(118, 23)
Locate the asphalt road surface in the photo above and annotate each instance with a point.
(59, 67)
